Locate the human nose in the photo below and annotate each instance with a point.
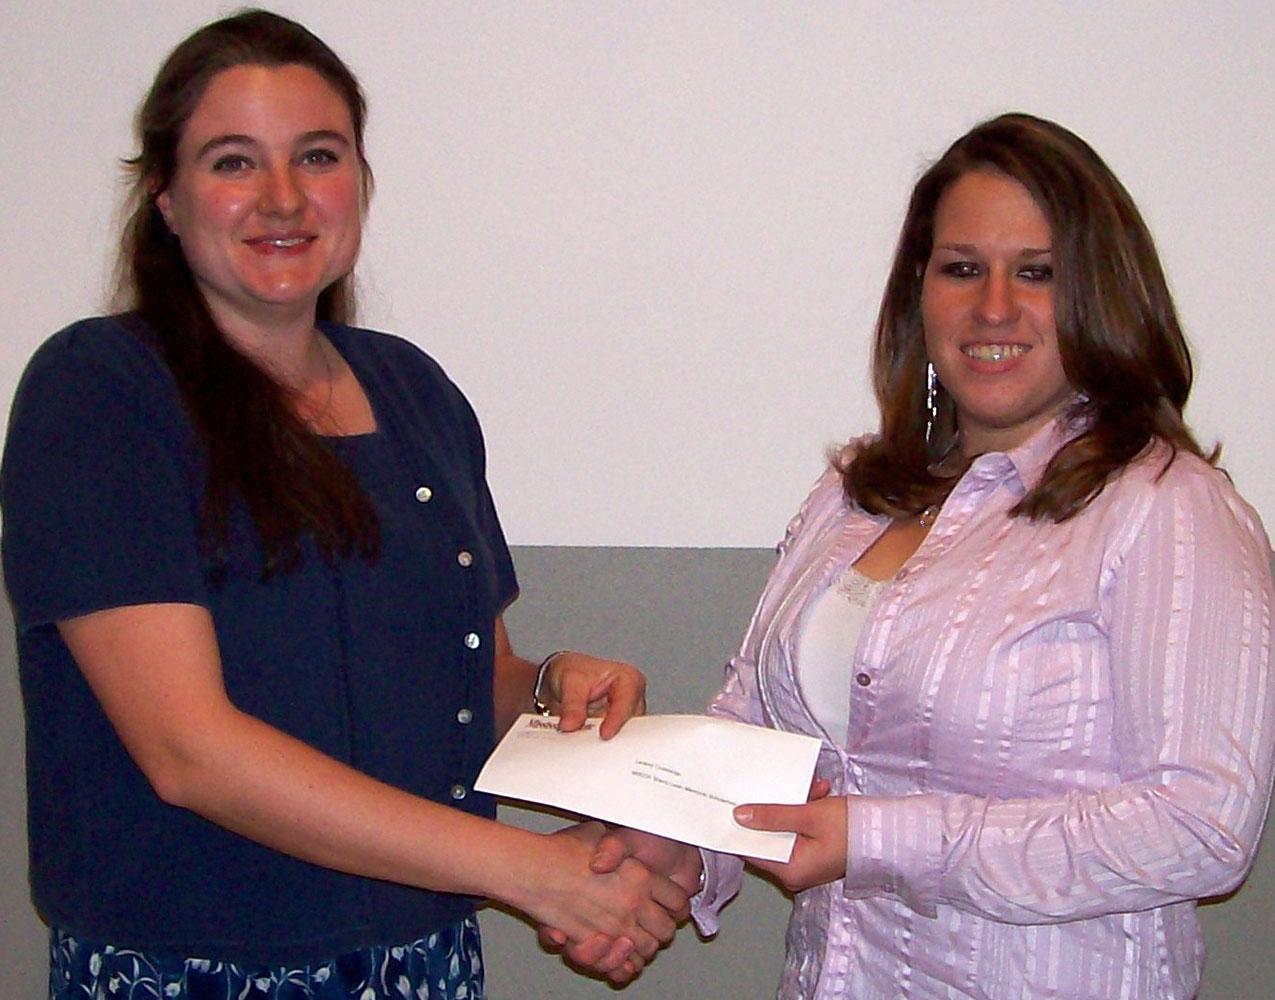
(997, 303)
(281, 195)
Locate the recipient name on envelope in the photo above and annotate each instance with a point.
(678, 776)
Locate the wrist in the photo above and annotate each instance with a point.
(540, 690)
(527, 874)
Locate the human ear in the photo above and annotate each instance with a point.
(163, 201)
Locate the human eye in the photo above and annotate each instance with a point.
(960, 269)
(320, 156)
(231, 163)
(1037, 272)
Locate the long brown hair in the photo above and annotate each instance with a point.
(258, 451)
(1121, 345)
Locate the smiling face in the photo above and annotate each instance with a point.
(267, 195)
(987, 305)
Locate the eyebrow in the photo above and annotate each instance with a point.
(970, 248)
(239, 139)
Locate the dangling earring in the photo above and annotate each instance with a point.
(931, 403)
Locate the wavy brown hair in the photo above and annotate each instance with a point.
(1121, 345)
(258, 451)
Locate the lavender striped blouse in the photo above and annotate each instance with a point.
(1060, 737)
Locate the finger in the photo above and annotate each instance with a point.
(577, 688)
(625, 958)
(551, 938)
(573, 706)
(672, 898)
(819, 789)
(594, 952)
(646, 944)
(608, 854)
(627, 698)
(601, 954)
(628, 969)
(770, 817)
(654, 919)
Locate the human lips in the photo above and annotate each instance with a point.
(280, 242)
(995, 353)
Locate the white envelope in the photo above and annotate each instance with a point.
(678, 776)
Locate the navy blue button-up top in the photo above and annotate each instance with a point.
(387, 667)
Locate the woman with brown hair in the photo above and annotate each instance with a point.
(1029, 620)
(258, 582)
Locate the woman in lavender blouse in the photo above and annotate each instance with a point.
(1029, 619)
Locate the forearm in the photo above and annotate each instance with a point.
(156, 672)
(1130, 847)
(512, 685)
(272, 788)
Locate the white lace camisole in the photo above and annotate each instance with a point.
(825, 648)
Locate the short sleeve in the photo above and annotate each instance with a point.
(99, 505)
(488, 520)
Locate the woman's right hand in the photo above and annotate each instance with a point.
(681, 863)
(622, 909)
(678, 863)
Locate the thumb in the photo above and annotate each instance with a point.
(608, 853)
(769, 817)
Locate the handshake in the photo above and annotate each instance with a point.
(608, 897)
(639, 885)
(626, 903)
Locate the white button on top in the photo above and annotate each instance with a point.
(464, 717)
(424, 494)
(464, 558)
(459, 792)
(472, 640)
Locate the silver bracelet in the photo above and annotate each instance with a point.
(537, 702)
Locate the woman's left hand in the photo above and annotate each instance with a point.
(577, 686)
(820, 852)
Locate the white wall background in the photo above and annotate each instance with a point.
(648, 238)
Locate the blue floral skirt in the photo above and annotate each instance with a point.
(442, 966)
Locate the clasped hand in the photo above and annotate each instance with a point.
(606, 905)
(819, 856)
(615, 922)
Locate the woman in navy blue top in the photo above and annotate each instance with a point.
(258, 581)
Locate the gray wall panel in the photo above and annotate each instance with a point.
(679, 613)
(24, 971)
